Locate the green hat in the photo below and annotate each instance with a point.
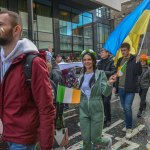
(88, 51)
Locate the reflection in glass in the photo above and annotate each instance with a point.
(75, 30)
(102, 34)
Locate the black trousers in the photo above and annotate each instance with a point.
(107, 107)
(143, 93)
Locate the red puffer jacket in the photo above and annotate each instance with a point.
(25, 119)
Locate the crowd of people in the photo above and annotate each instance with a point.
(29, 110)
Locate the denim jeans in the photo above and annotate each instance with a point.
(15, 146)
(126, 102)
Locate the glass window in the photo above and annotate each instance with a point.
(102, 34)
(78, 47)
(86, 14)
(42, 10)
(45, 36)
(43, 25)
(64, 15)
(66, 46)
(88, 37)
(24, 16)
(22, 5)
(46, 26)
(75, 30)
(86, 20)
(3, 3)
(65, 28)
(44, 45)
(103, 12)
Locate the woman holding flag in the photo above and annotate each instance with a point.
(93, 83)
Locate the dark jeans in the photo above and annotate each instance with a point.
(107, 107)
(143, 93)
(126, 102)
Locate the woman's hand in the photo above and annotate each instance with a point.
(112, 79)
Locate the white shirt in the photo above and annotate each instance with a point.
(85, 85)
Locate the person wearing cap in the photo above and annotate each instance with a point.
(106, 64)
(93, 84)
(144, 83)
(129, 70)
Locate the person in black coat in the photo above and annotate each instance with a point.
(107, 64)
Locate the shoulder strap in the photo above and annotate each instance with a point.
(27, 67)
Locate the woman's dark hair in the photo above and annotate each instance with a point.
(92, 80)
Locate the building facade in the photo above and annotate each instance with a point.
(67, 26)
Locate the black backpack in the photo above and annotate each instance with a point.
(27, 68)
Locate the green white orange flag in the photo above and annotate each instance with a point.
(68, 95)
(121, 69)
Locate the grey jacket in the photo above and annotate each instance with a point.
(144, 80)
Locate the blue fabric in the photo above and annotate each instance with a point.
(15, 146)
(126, 102)
(116, 38)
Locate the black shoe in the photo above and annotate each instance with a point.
(139, 115)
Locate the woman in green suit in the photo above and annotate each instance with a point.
(93, 83)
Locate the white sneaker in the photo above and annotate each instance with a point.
(124, 129)
(128, 133)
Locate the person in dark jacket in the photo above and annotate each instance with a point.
(144, 83)
(107, 65)
(56, 76)
(27, 116)
(129, 69)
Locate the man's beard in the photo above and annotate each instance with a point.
(6, 37)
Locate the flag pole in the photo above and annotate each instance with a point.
(142, 43)
(143, 40)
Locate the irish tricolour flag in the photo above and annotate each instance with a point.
(121, 69)
(68, 95)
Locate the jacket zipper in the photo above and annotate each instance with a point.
(87, 98)
(90, 95)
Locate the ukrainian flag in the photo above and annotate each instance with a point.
(130, 29)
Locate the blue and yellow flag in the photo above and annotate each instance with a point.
(130, 28)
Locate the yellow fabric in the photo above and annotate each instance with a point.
(134, 36)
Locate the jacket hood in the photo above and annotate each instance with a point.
(23, 46)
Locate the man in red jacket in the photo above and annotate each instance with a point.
(27, 118)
